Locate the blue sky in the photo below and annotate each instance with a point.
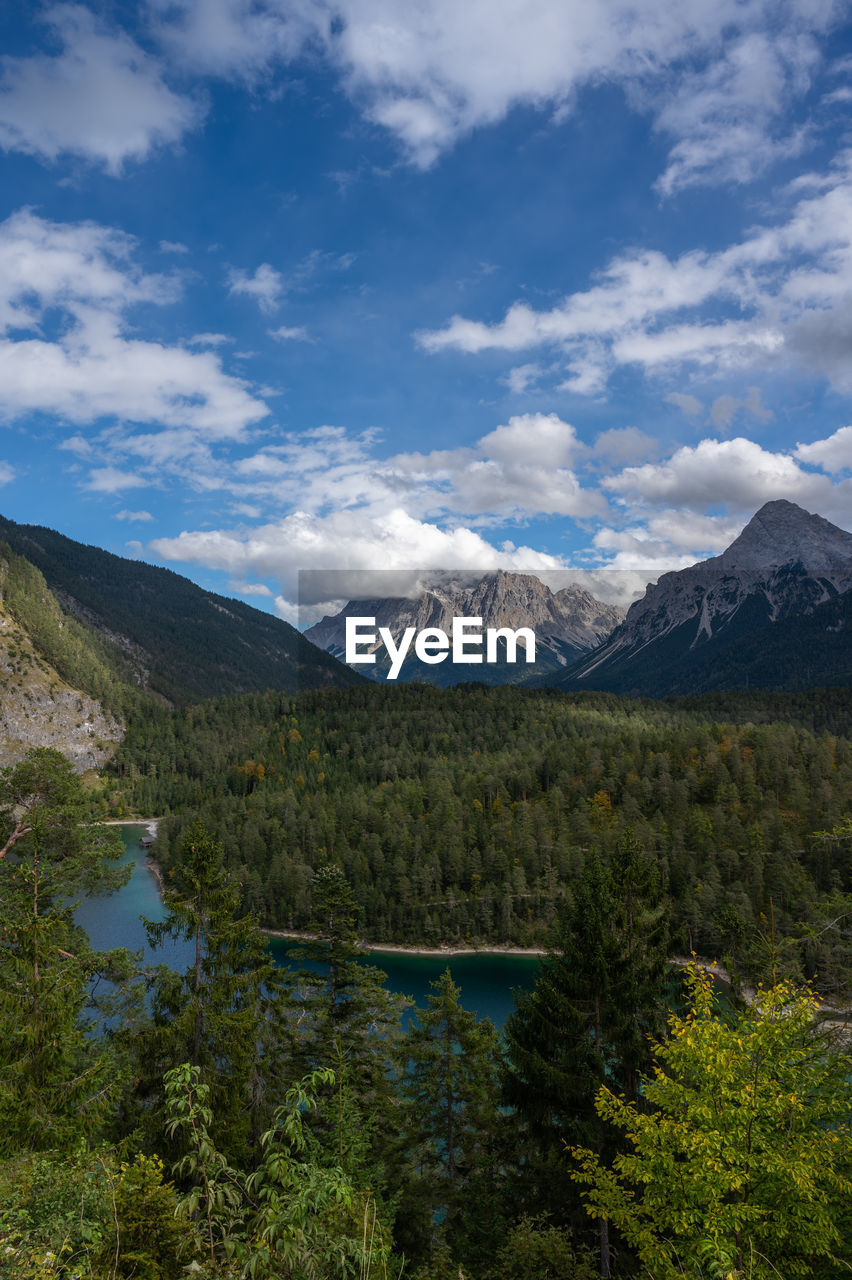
(355, 284)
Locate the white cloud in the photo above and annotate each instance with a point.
(690, 406)
(350, 540)
(287, 334)
(729, 117)
(534, 438)
(93, 368)
(7, 473)
(240, 588)
(102, 97)
(789, 284)
(266, 286)
(433, 72)
(833, 454)
(111, 480)
(172, 246)
(737, 473)
(524, 376)
(142, 517)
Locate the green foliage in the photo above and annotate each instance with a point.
(85, 659)
(464, 815)
(54, 1212)
(217, 1014)
(537, 1250)
(293, 1216)
(152, 1237)
(598, 997)
(55, 1079)
(449, 1083)
(740, 1165)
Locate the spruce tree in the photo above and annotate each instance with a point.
(450, 1087)
(56, 1077)
(216, 1015)
(599, 995)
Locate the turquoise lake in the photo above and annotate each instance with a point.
(486, 981)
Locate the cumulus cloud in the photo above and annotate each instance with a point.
(739, 473)
(343, 540)
(790, 283)
(101, 97)
(833, 454)
(266, 286)
(519, 469)
(7, 473)
(357, 511)
(94, 368)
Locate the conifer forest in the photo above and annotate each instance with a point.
(637, 1116)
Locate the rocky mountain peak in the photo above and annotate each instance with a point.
(782, 532)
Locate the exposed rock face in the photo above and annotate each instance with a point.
(566, 623)
(38, 709)
(785, 563)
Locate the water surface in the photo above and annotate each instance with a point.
(486, 981)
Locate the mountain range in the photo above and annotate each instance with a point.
(772, 611)
(85, 635)
(566, 623)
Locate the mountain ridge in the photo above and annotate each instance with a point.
(786, 565)
(566, 622)
(167, 636)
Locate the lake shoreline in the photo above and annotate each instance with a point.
(388, 948)
(400, 948)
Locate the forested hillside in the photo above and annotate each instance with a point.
(465, 814)
(237, 1121)
(165, 634)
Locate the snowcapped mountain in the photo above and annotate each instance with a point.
(786, 574)
(566, 623)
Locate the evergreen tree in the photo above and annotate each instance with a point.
(597, 998)
(340, 1014)
(450, 1087)
(56, 1077)
(217, 1015)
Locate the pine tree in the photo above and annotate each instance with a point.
(339, 1014)
(217, 1015)
(598, 996)
(56, 1076)
(450, 1086)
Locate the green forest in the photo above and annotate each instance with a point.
(242, 1121)
(465, 815)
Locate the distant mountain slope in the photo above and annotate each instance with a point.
(44, 702)
(167, 635)
(772, 611)
(566, 623)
